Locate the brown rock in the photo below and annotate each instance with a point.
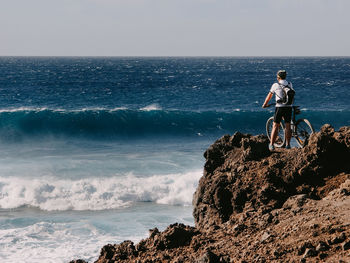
(346, 245)
(208, 257)
(338, 239)
(122, 251)
(310, 252)
(178, 235)
(265, 184)
(322, 246)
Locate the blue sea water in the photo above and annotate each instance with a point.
(99, 150)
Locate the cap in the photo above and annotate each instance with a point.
(282, 74)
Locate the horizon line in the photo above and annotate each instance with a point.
(178, 56)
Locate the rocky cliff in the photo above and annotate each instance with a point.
(252, 205)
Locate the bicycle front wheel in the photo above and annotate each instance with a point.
(280, 140)
(304, 130)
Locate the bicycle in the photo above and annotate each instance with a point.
(301, 129)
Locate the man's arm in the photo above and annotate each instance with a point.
(268, 97)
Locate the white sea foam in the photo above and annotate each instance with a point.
(151, 107)
(19, 109)
(97, 193)
(53, 242)
(118, 109)
(62, 236)
(89, 109)
(65, 235)
(39, 109)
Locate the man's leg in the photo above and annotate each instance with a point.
(275, 128)
(288, 133)
(274, 132)
(287, 116)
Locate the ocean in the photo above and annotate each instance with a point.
(99, 150)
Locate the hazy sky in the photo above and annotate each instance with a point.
(175, 27)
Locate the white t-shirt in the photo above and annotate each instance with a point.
(277, 90)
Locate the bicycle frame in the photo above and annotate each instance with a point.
(300, 134)
(293, 121)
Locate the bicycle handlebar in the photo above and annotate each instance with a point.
(273, 104)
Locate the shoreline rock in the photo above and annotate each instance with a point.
(252, 205)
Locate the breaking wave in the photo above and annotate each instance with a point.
(97, 193)
(106, 124)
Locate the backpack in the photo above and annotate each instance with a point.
(288, 95)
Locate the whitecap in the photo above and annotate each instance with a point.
(19, 109)
(151, 107)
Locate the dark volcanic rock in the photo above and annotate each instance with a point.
(176, 235)
(241, 174)
(253, 205)
(112, 253)
(208, 257)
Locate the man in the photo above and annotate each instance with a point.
(281, 111)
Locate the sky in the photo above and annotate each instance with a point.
(174, 28)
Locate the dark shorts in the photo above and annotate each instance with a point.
(283, 112)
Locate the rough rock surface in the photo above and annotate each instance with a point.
(252, 205)
(241, 175)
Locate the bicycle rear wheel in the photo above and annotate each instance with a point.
(280, 140)
(304, 130)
